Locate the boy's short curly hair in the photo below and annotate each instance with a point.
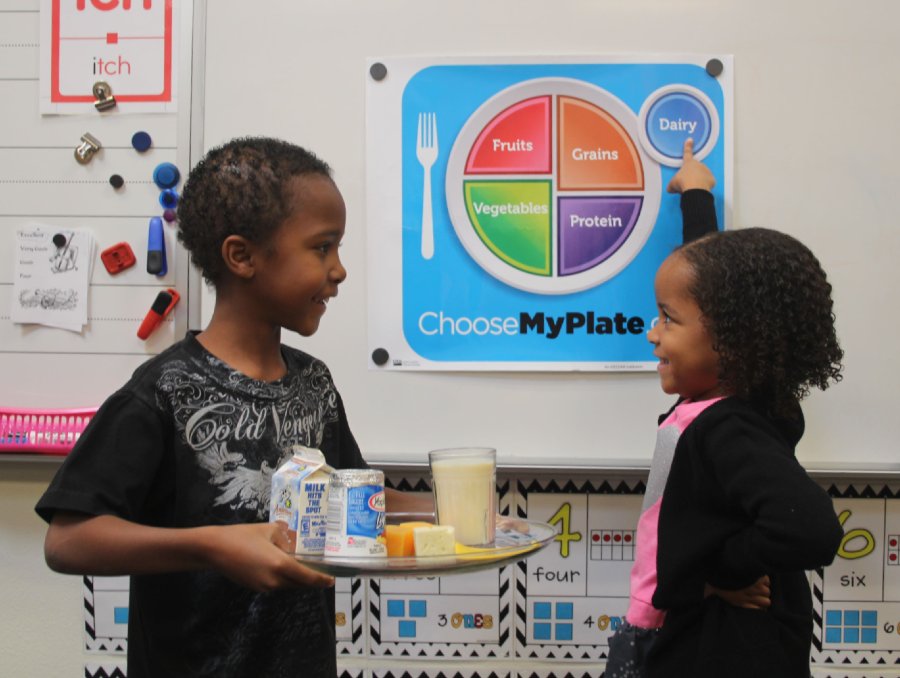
(242, 187)
(767, 304)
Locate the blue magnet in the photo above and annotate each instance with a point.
(168, 199)
(166, 175)
(141, 141)
(156, 248)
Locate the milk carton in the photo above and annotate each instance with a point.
(300, 497)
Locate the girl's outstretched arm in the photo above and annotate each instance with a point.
(694, 181)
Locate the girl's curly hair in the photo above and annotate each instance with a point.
(767, 304)
(242, 187)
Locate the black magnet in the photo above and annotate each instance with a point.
(380, 356)
(378, 71)
(116, 181)
(714, 67)
(60, 241)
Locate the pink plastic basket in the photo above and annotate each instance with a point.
(42, 431)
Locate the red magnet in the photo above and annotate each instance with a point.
(162, 306)
(117, 258)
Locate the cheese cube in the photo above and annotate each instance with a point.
(436, 540)
(400, 538)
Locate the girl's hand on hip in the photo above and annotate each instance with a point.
(757, 596)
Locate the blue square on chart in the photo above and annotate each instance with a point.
(120, 615)
(833, 618)
(833, 634)
(542, 611)
(542, 631)
(851, 617)
(564, 610)
(851, 635)
(396, 608)
(869, 618)
(564, 632)
(870, 635)
(407, 628)
(418, 608)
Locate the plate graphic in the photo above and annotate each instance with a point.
(548, 187)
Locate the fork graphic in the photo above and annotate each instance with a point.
(427, 152)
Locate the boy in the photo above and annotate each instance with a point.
(170, 482)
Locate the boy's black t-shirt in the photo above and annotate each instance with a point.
(186, 442)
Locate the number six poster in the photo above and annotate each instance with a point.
(517, 211)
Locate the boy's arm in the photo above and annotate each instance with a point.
(694, 181)
(409, 502)
(256, 555)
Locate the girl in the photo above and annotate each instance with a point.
(730, 520)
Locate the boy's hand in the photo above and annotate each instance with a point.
(693, 173)
(260, 557)
(511, 524)
(757, 596)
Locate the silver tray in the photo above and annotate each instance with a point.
(513, 541)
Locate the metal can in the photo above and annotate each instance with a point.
(356, 514)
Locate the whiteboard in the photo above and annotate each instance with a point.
(41, 182)
(816, 90)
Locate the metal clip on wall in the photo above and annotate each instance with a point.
(85, 151)
(104, 96)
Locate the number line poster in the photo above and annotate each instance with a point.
(517, 212)
(563, 603)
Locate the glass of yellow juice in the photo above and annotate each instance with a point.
(464, 482)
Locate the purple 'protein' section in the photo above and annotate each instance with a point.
(592, 229)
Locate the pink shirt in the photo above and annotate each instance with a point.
(641, 612)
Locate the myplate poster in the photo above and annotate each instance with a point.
(517, 211)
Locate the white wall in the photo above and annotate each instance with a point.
(817, 88)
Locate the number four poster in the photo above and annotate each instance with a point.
(517, 211)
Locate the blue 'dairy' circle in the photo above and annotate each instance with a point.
(674, 118)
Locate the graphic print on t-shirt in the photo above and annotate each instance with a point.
(241, 430)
